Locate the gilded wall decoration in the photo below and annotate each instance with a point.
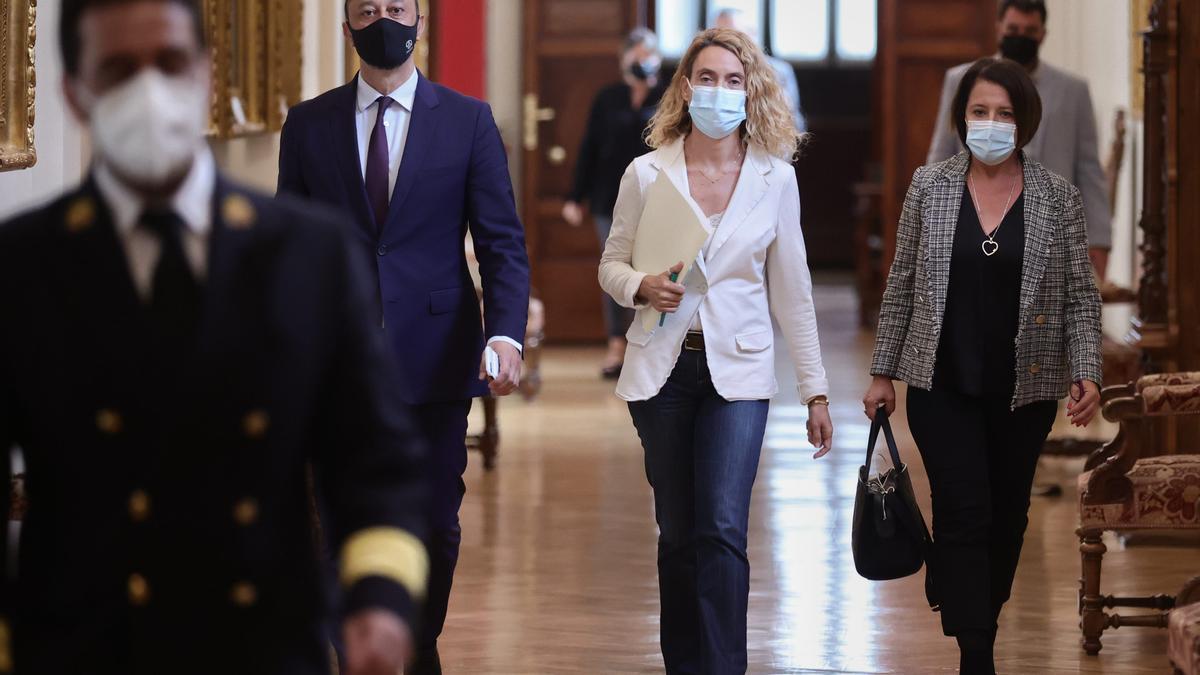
(18, 35)
(257, 47)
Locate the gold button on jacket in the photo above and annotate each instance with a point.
(139, 506)
(139, 590)
(243, 594)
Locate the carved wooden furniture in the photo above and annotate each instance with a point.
(1183, 640)
(1125, 489)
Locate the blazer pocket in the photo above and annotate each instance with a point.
(754, 342)
(445, 301)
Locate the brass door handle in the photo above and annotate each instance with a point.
(532, 115)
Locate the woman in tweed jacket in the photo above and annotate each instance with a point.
(991, 316)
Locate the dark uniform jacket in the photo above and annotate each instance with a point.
(169, 526)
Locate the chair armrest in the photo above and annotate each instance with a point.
(1108, 483)
(1171, 399)
(1167, 379)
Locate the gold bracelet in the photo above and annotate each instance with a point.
(819, 400)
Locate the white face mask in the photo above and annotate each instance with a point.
(149, 128)
(991, 142)
(716, 111)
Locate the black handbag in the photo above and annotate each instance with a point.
(889, 539)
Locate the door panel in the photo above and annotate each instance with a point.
(570, 52)
(918, 41)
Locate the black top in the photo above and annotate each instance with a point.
(613, 139)
(977, 352)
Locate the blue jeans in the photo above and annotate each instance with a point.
(701, 459)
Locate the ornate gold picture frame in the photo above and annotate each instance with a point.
(18, 34)
(257, 47)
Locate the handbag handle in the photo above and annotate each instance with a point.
(881, 422)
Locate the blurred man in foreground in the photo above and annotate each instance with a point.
(174, 352)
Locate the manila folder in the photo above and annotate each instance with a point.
(671, 230)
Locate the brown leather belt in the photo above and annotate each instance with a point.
(694, 341)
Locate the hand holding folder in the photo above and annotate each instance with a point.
(672, 229)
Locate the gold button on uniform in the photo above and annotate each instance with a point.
(80, 215)
(139, 590)
(256, 423)
(238, 213)
(109, 421)
(1040, 319)
(244, 594)
(139, 506)
(245, 512)
(1035, 369)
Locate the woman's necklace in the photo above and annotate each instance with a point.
(989, 245)
(721, 176)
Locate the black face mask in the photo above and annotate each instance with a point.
(1019, 48)
(644, 71)
(385, 44)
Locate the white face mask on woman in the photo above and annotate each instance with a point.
(991, 142)
(716, 111)
(149, 128)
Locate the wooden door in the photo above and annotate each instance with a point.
(570, 51)
(918, 41)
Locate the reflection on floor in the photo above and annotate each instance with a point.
(558, 572)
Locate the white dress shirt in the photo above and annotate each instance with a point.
(396, 121)
(192, 202)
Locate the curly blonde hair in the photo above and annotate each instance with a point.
(769, 123)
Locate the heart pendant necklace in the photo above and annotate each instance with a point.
(989, 245)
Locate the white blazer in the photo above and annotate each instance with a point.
(755, 267)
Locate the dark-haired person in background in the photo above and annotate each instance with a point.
(615, 137)
(413, 166)
(990, 315)
(174, 351)
(1066, 143)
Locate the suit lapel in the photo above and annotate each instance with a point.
(750, 189)
(422, 127)
(941, 209)
(106, 316)
(1039, 231)
(97, 271)
(236, 272)
(344, 132)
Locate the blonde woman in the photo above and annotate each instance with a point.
(698, 385)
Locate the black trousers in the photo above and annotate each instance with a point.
(980, 457)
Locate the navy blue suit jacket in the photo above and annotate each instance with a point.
(453, 177)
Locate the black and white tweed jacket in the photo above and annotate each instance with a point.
(1059, 336)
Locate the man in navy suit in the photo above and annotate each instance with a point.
(175, 352)
(416, 166)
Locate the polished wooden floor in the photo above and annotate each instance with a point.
(558, 571)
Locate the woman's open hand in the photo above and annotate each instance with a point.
(660, 292)
(881, 392)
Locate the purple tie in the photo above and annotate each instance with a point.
(379, 166)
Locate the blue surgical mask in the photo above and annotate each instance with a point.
(991, 142)
(716, 111)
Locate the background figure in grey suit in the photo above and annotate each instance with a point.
(1066, 143)
(737, 20)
